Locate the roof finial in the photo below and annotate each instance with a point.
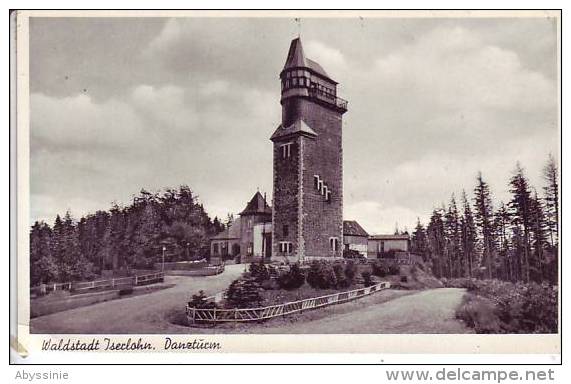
(298, 21)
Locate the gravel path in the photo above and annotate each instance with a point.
(430, 311)
(149, 313)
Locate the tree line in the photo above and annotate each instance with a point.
(513, 241)
(122, 238)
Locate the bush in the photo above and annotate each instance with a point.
(351, 254)
(519, 307)
(243, 293)
(404, 279)
(125, 291)
(350, 272)
(380, 270)
(259, 271)
(270, 284)
(199, 301)
(479, 313)
(321, 275)
(273, 272)
(292, 279)
(394, 269)
(367, 280)
(340, 279)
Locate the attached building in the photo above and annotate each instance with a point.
(355, 238)
(380, 245)
(249, 236)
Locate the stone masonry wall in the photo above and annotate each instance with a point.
(285, 198)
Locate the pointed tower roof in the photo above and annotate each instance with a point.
(296, 59)
(257, 205)
(295, 56)
(298, 127)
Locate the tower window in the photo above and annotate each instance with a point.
(316, 181)
(328, 196)
(286, 247)
(324, 190)
(334, 243)
(286, 150)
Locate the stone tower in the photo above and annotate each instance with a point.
(307, 204)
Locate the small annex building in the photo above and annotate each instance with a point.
(249, 236)
(355, 238)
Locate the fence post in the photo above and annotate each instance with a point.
(136, 279)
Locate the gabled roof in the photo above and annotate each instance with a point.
(352, 228)
(257, 205)
(229, 233)
(297, 128)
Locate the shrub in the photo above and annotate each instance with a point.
(367, 280)
(379, 269)
(479, 313)
(394, 269)
(403, 279)
(243, 293)
(269, 284)
(519, 307)
(340, 279)
(321, 275)
(259, 271)
(125, 291)
(292, 279)
(350, 272)
(199, 301)
(273, 272)
(351, 254)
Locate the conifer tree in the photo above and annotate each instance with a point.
(551, 191)
(501, 227)
(469, 236)
(42, 265)
(419, 243)
(484, 220)
(521, 207)
(453, 238)
(436, 242)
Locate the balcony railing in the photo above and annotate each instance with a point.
(328, 98)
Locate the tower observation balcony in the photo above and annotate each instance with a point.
(328, 98)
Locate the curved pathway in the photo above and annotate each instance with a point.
(148, 313)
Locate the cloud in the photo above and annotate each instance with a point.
(166, 106)
(77, 121)
(445, 106)
(330, 58)
(194, 101)
(87, 154)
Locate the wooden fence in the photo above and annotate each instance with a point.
(214, 315)
(117, 283)
(206, 271)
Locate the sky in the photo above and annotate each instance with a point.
(121, 104)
